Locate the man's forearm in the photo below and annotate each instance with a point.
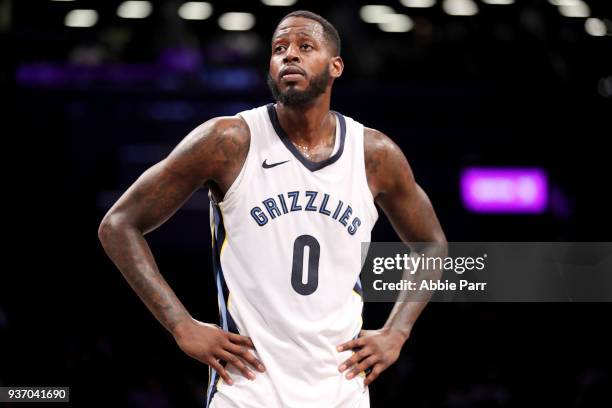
(130, 252)
(403, 316)
(405, 313)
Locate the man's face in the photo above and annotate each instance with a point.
(300, 62)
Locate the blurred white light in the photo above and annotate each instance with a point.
(500, 2)
(576, 9)
(279, 2)
(134, 9)
(81, 18)
(396, 23)
(195, 10)
(460, 7)
(418, 3)
(375, 13)
(236, 21)
(595, 27)
(563, 2)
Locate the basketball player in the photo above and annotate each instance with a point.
(293, 188)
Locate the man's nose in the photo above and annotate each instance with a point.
(292, 54)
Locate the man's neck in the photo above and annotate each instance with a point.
(308, 126)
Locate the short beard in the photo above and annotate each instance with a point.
(294, 98)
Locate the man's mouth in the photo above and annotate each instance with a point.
(291, 74)
(292, 77)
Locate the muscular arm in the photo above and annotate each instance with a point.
(410, 212)
(408, 209)
(213, 153)
(202, 156)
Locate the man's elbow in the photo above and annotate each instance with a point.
(105, 229)
(109, 226)
(441, 244)
(436, 242)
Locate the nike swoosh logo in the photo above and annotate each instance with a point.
(265, 165)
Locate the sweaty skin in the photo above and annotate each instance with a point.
(212, 156)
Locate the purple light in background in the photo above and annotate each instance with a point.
(233, 78)
(504, 190)
(181, 59)
(58, 74)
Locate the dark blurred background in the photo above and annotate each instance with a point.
(98, 91)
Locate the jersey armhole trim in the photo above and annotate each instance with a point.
(370, 197)
(238, 181)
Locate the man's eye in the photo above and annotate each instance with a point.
(306, 46)
(279, 48)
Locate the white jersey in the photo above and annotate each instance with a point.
(287, 255)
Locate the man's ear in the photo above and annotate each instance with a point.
(336, 66)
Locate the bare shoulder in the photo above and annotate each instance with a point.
(215, 150)
(378, 148)
(384, 161)
(223, 137)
